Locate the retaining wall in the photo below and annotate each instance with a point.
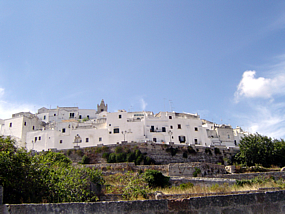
(187, 169)
(248, 176)
(176, 181)
(268, 202)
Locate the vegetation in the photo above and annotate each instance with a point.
(217, 151)
(172, 150)
(262, 150)
(196, 172)
(191, 150)
(208, 151)
(46, 177)
(155, 178)
(128, 156)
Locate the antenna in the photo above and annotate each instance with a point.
(170, 105)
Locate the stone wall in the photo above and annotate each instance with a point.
(267, 202)
(249, 176)
(187, 169)
(111, 168)
(176, 181)
(159, 152)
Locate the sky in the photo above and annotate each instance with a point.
(224, 60)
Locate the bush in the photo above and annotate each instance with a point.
(196, 172)
(68, 153)
(118, 149)
(137, 157)
(155, 178)
(208, 151)
(79, 152)
(217, 151)
(186, 186)
(191, 150)
(47, 177)
(172, 150)
(105, 155)
(185, 155)
(85, 160)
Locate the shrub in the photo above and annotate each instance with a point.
(217, 151)
(191, 150)
(68, 152)
(196, 172)
(172, 150)
(118, 149)
(185, 155)
(85, 160)
(155, 178)
(208, 151)
(186, 186)
(79, 152)
(105, 155)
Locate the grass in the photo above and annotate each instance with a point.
(118, 183)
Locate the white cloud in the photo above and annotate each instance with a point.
(143, 104)
(9, 108)
(267, 119)
(252, 87)
(263, 99)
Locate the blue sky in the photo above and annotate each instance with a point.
(224, 60)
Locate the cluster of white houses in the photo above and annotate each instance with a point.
(67, 127)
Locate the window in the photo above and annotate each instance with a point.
(179, 126)
(87, 140)
(25, 123)
(10, 125)
(33, 127)
(182, 139)
(110, 132)
(229, 137)
(163, 129)
(40, 137)
(116, 130)
(196, 141)
(110, 124)
(54, 114)
(102, 110)
(100, 139)
(171, 127)
(80, 116)
(63, 130)
(120, 116)
(170, 117)
(154, 139)
(152, 129)
(196, 129)
(36, 139)
(45, 117)
(87, 116)
(71, 115)
(60, 141)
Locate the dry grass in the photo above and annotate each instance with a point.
(116, 184)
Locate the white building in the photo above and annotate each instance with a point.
(67, 127)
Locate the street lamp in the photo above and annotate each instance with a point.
(170, 135)
(124, 133)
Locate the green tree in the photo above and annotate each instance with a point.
(258, 149)
(47, 177)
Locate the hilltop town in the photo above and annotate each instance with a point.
(87, 155)
(71, 127)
